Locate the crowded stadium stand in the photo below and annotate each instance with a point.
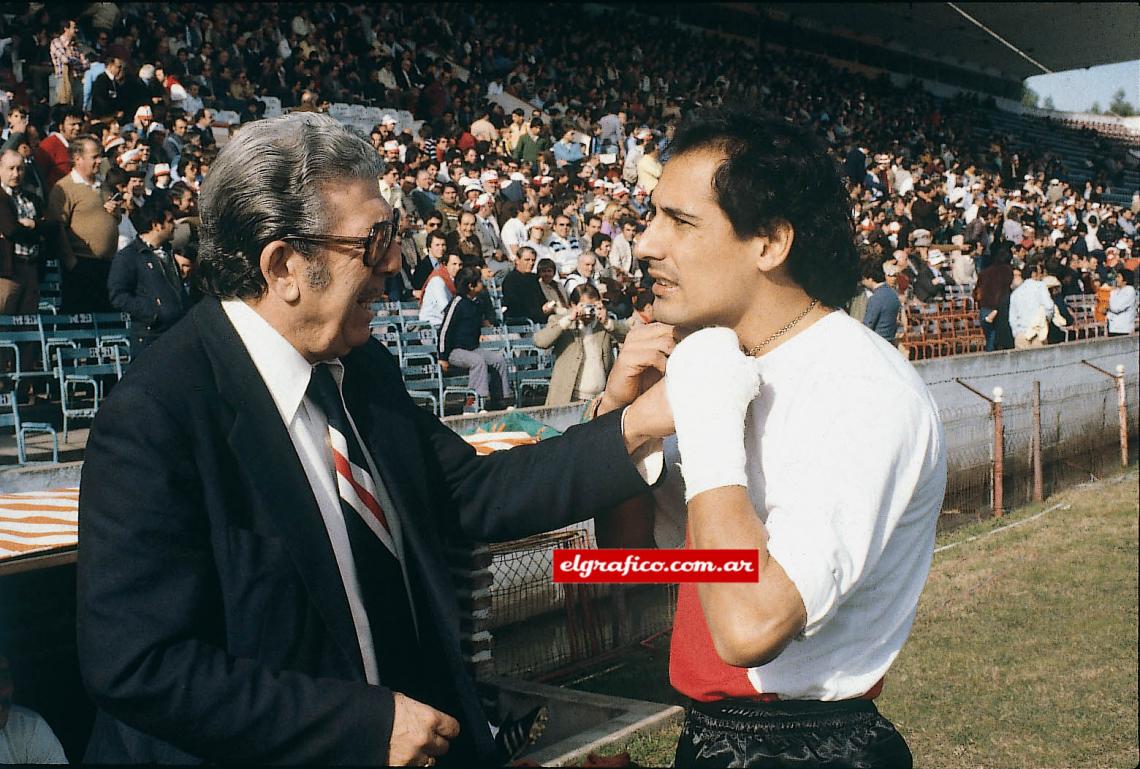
(519, 117)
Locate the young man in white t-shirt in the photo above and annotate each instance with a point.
(800, 433)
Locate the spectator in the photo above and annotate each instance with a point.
(25, 737)
(583, 340)
(584, 272)
(390, 186)
(567, 151)
(145, 280)
(464, 242)
(564, 247)
(53, 156)
(459, 342)
(448, 205)
(439, 290)
(992, 297)
(1121, 305)
(422, 197)
(487, 230)
(649, 168)
(68, 66)
(551, 285)
(88, 223)
(1030, 308)
(621, 260)
(435, 248)
(522, 294)
(1061, 318)
(21, 228)
(531, 144)
(105, 101)
(930, 284)
(882, 313)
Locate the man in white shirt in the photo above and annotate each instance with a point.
(1031, 308)
(262, 576)
(801, 434)
(514, 232)
(1122, 305)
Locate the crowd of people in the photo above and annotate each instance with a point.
(111, 128)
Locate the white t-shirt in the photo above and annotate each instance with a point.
(847, 469)
(27, 739)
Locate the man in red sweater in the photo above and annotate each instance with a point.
(52, 157)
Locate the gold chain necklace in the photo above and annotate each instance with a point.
(788, 327)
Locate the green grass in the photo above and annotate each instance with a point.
(1023, 653)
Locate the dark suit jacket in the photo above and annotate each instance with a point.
(139, 285)
(925, 289)
(212, 621)
(11, 232)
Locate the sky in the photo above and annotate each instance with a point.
(1076, 90)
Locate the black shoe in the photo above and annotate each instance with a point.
(515, 735)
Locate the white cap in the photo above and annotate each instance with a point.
(538, 221)
(162, 169)
(387, 120)
(391, 146)
(485, 199)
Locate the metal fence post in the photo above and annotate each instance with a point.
(1122, 402)
(1035, 444)
(1122, 399)
(999, 455)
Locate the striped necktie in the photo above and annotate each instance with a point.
(354, 482)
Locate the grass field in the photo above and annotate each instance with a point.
(1023, 653)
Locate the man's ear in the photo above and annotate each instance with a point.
(771, 250)
(282, 267)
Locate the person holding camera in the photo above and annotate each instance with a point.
(583, 341)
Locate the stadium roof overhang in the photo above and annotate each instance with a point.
(1059, 36)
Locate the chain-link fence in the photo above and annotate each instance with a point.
(542, 630)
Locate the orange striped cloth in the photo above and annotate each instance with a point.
(38, 522)
(487, 443)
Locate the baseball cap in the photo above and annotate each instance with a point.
(162, 169)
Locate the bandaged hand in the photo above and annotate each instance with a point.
(710, 383)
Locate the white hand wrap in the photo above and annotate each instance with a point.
(710, 384)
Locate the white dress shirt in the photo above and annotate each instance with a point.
(286, 374)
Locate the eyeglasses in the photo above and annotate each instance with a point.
(375, 245)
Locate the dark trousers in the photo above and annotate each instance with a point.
(850, 734)
(85, 287)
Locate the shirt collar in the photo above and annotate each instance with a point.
(284, 370)
(75, 177)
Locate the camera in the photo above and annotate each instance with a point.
(588, 312)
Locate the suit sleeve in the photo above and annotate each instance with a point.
(122, 286)
(150, 631)
(528, 489)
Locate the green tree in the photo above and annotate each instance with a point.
(1029, 97)
(1120, 106)
(1095, 108)
(1049, 103)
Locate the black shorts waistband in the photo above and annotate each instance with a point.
(752, 716)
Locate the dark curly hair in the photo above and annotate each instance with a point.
(774, 172)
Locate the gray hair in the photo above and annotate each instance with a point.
(268, 182)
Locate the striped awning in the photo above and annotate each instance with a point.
(33, 522)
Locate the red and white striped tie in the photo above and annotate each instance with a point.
(354, 482)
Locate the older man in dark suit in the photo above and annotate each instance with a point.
(261, 575)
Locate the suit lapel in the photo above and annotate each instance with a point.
(262, 447)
